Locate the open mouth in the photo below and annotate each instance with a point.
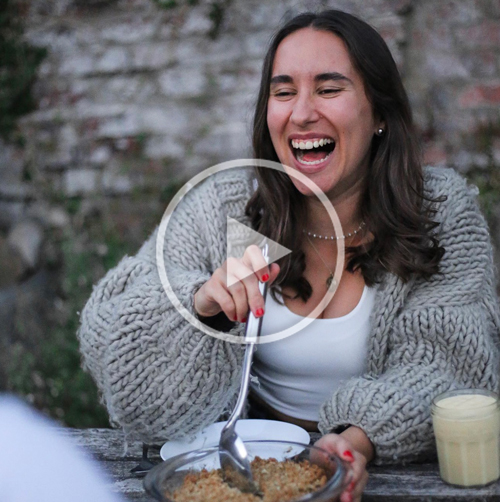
(312, 151)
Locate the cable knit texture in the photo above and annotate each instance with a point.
(161, 379)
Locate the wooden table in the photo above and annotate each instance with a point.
(388, 484)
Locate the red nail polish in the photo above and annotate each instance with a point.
(351, 486)
(259, 312)
(348, 455)
(244, 319)
(235, 318)
(265, 277)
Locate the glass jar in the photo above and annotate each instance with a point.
(467, 428)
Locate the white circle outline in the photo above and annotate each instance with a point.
(223, 166)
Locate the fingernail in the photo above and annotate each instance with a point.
(265, 277)
(351, 486)
(244, 319)
(348, 454)
(235, 319)
(259, 312)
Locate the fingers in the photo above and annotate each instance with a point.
(354, 491)
(256, 262)
(274, 270)
(359, 487)
(336, 444)
(213, 297)
(359, 477)
(243, 280)
(234, 287)
(238, 289)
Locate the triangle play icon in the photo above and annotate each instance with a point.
(240, 236)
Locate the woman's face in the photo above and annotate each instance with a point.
(320, 120)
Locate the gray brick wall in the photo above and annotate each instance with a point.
(131, 96)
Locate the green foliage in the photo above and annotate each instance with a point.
(18, 65)
(50, 374)
(55, 383)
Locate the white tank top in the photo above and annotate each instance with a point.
(297, 374)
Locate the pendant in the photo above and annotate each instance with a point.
(331, 282)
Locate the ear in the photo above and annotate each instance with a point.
(379, 122)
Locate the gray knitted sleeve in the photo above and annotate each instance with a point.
(444, 336)
(160, 378)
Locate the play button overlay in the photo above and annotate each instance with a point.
(239, 237)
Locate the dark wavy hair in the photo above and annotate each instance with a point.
(394, 206)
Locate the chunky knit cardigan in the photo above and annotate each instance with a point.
(160, 378)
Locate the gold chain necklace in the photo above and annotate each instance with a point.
(331, 282)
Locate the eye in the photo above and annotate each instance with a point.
(283, 93)
(329, 91)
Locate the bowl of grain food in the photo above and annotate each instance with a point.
(283, 471)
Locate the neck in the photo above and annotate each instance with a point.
(347, 206)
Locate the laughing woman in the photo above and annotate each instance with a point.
(415, 311)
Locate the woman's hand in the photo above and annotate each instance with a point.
(345, 449)
(243, 294)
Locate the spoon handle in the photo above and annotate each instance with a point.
(252, 333)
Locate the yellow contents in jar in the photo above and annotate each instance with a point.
(467, 428)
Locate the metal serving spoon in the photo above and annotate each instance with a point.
(232, 452)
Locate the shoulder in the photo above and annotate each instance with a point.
(443, 180)
(198, 219)
(215, 194)
(457, 210)
(454, 198)
(226, 184)
(439, 181)
(466, 269)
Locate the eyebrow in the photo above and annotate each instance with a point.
(322, 77)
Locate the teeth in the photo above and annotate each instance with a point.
(310, 144)
(313, 162)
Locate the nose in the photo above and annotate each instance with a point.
(304, 110)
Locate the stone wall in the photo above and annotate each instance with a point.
(132, 96)
(132, 99)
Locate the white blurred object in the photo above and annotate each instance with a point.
(37, 464)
